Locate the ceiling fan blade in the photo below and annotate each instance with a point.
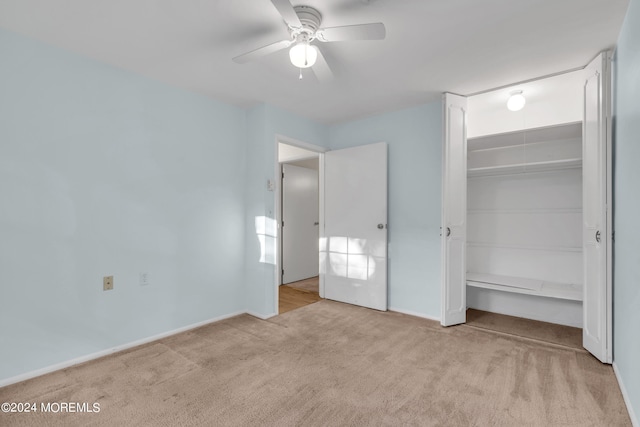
(374, 31)
(321, 68)
(288, 13)
(262, 51)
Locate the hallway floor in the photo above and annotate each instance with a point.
(298, 294)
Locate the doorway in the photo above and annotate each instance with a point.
(352, 237)
(300, 223)
(298, 202)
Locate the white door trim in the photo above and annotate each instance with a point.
(277, 199)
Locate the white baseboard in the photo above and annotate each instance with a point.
(625, 396)
(414, 313)
(261, 316)
(102, 353)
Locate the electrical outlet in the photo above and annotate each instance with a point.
(107, 283)
(144, 279)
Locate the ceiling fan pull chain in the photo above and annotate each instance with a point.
(300, 78)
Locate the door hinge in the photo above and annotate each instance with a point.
(283, 272)
(282, 224)
(282, 175)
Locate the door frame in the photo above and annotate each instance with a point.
(277, 199)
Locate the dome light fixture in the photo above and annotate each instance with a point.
(303, 55)
(516, 101)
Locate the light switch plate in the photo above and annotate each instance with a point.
(107, 283)
(144, 279)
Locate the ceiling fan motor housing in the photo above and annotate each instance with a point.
(309, 17)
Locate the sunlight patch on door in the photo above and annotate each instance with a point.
(348, 257)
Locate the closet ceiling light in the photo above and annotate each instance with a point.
(516, 101)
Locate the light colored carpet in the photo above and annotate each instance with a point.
(333, 364)
(312, 284)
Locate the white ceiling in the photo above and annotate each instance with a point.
(432, 46)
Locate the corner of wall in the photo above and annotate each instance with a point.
(626, 292)
(264, 122)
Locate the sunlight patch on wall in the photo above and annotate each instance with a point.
(267, 231)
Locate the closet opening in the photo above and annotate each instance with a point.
(524, 253)
(526, 204)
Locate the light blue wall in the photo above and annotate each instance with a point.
(103, 172)
(626, 284)
(257, 162)
(415, 168)
(264, 123)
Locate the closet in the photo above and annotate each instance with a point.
(526, 218)
(524, 223)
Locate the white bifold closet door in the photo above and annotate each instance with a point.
(454, 211)
(596, 169)
(353, 251)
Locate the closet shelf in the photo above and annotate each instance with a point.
(526, 167)
(525, 286)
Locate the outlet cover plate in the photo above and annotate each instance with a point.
(107, 283)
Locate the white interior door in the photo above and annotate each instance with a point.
(299, 223)
(596, 169)
(454, 211)
(353, 251)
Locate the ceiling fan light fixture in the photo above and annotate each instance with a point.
(516, 101)
(303, 55)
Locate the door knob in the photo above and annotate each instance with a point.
(598, 236)
(448, 232)
(380, 226)
(316, 223)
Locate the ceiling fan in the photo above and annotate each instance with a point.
(303, 23)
